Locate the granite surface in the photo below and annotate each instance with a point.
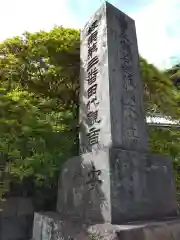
(16, 219)
(115, 185)
(52, 226)
(114, 180)
(111, 108)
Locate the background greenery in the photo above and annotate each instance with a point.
(39, 85)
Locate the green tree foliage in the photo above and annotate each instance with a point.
(160, 95)
(174, 73)
(39, 89)
(165, 141)
(39, 93)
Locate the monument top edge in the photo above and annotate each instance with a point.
(106, 5)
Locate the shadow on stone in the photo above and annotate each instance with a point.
(85, 147)
(16, 219)
(80, 192)
(116, 180)
(81, 204)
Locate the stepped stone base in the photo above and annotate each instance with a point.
(16, 219)
(117, 186)
(55, 227)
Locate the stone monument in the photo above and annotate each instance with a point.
(115, 180)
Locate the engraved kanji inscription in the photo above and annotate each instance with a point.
(126, 68)
(94, 101)
(92, 38)
(93, 136)
(130, 113)
(92, 62)
(92, 75)
(92, 90)
(92, 50)
(128, 81)
(125, 45)
(93, 117)
(129, 99)
(132, 132)
(126, 58)
(93, 26)
(93, 177)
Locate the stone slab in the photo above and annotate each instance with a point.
(16, 206)
(111, 107)
(53, 226)
(116, 186)
(16, 219)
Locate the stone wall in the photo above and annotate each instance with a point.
(16, 219)
(53, 226)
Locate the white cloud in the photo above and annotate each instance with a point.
(157, 23)
(153, 23)
(21, 15)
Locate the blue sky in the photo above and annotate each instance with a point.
(157, 22)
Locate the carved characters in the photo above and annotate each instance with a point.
(93, 177)
(92, 72)
(130, 129)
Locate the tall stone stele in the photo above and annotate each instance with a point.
(114, 179)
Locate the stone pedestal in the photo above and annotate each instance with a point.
(115, 180)
(53, 226)
(116, 186)
(16, 219)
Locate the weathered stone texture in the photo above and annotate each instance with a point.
(111, 109)
(115, 180)
(114, 185)
(16, 219)
(50, 226)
